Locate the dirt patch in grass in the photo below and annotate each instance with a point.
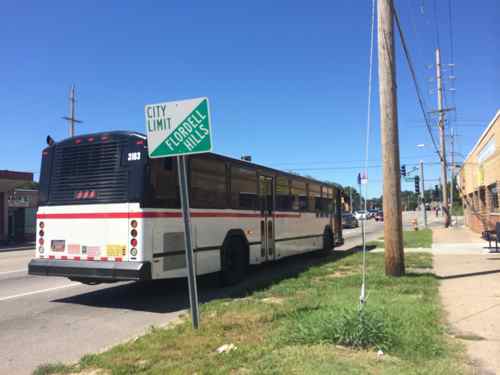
(275, 300)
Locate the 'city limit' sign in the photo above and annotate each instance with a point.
(178, 128)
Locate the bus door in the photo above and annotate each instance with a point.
(266, 202)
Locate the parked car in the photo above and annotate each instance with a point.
(379, 216)
(360, 215)
(349, 221)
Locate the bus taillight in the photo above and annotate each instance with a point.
(133, 241)
(41, 240)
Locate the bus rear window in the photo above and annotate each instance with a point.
(88, 173)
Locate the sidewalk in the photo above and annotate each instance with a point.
(470, 291)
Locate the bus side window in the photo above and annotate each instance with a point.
(283, 198)
(208, 182)
(243, 188)
(164, 184)
(299, 196)
(330, 202)
(314, 195)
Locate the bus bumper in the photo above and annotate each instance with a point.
(91, 270)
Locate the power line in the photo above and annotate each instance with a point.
(417, 88)
(358, 167)
(450, 23)
(284, 164)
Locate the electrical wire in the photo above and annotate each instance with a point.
(362, 296)
(415, 83)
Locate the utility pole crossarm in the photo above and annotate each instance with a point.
(72, 109)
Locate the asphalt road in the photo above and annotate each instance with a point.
(49, 319)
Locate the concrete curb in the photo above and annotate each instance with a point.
(20, 248)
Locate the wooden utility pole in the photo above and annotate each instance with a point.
(442, 139)
(72, 109)
(452, 172)
(393, 228)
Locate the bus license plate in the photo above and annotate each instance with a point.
(57, 245)
(115, 250)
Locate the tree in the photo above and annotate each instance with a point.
(350, 191)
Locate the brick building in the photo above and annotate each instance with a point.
(479, 180)
(23, 204)
(9, 180)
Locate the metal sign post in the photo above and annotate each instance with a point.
(178, 129)
(186, 216)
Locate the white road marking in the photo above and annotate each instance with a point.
(39, 291)
(15, 271)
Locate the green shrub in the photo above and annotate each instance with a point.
(362, 329)
(348, 327)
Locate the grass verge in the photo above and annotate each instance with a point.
(411, 238)
(417, 238)
(303, 325)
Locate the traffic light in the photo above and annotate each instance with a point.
(417, 184)
(403, 170)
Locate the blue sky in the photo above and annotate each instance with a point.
(287, 80)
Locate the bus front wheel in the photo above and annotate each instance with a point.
(234, 261)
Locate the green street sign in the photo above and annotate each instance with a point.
(178, 128)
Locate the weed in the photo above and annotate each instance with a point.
(50, 368)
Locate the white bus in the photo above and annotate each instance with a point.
(109, 213)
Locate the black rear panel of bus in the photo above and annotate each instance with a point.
(91, 169)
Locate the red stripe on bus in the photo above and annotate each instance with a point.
(52, 257)
(104, 258)
(76, 258)
(287, 215)
(90, 258)
(94, 215)
(152, 214)
(118, 259)
(64, 257)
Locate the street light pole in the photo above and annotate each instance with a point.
(422, 195)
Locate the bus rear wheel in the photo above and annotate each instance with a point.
(234, 261)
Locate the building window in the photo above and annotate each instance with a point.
(482, 198)
(493, 195)
(208, 183)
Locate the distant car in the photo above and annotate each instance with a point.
(379, 216)
(349, 221)
(360, 215)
